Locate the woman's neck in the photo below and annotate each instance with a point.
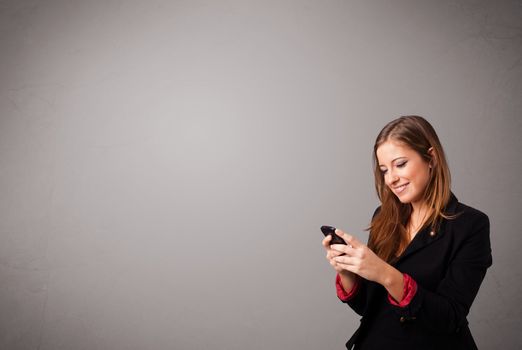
(420, 213)
(419, 209)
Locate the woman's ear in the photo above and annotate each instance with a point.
(431, 153)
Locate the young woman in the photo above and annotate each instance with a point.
(427, 253)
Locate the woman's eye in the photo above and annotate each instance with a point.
(383, 171)
(401, 164)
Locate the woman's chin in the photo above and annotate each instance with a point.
(404, 199)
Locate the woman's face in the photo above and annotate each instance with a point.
(405, 172)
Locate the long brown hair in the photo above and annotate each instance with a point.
(388, 233)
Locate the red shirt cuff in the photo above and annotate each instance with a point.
(410, 288)
(341, 293)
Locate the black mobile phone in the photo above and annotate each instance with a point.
(330, 230)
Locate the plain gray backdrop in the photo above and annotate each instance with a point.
(165, 166)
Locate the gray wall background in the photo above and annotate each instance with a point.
(165, 166)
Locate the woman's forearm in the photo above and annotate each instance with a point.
(393, 281)
(347, 280)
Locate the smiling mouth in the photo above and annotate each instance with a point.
(400, 188)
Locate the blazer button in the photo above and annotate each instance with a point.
(402, 319)
(432, 233)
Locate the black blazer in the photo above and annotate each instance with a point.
(448, 266)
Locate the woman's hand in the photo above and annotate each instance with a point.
(361, 260)
(331, 254)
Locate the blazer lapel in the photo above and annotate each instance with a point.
(426, 237)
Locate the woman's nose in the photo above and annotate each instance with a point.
(391, 178)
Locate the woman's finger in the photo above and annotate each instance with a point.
(349, 239)
(336, 266)
(339, 248)
(326, 241)
(354, 252)
(333, 253)
(339, 232)
(345, 260)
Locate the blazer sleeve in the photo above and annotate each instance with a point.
(445, 310)
(358, 301)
